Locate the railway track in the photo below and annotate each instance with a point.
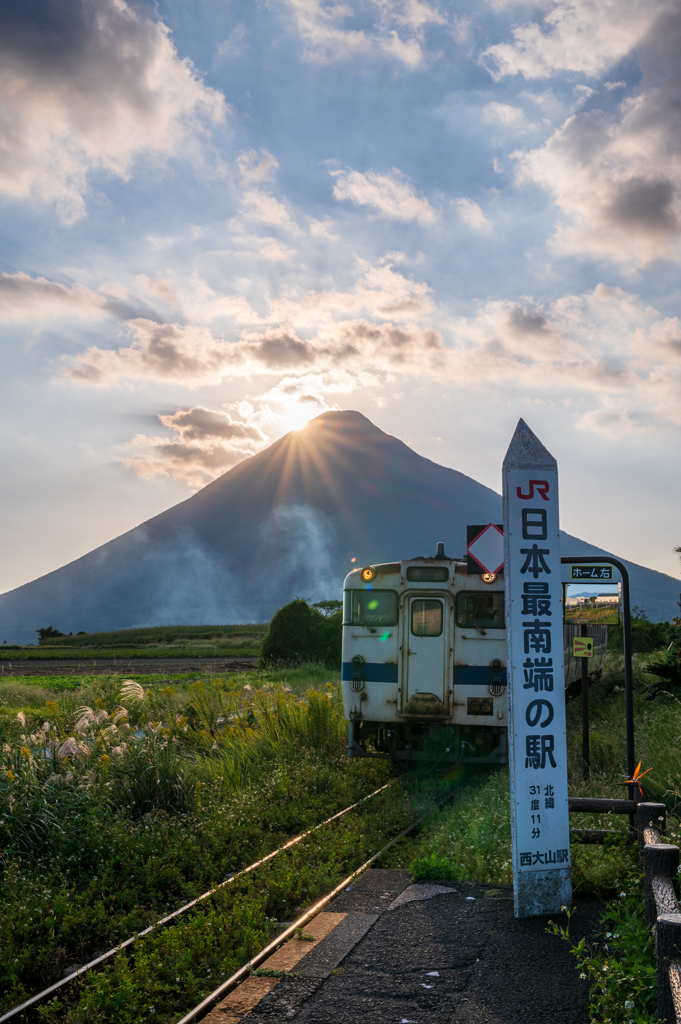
(205, 1006)
(53, 989)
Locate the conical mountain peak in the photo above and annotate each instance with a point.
(294, 519)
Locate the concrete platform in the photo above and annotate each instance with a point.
(447, 952)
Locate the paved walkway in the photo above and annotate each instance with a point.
(386, 952)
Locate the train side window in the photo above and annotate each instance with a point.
(484, 609)
(370, 607)
(426, 618)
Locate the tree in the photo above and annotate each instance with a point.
(300, 633)
(47, 634)
(328, 607)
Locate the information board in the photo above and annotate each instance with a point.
(583, 646)
(536, 691)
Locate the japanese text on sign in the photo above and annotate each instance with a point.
(537, 748)
(591, 572)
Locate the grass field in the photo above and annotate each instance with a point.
(153, 642)
(240, 648)
(593, 614)
(108, 819)
(161, 635)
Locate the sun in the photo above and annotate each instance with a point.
(295, 416)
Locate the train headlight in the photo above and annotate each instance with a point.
(489, 577)
(368, 573)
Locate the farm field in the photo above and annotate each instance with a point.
(153, 642)
(109, 820)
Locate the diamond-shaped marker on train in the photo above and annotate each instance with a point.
(485, 549)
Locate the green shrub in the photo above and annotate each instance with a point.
(300, 633)
(622, 971)
(646, 636)
(432, 866)
(667, 668)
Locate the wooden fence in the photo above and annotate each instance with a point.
(660, 866)
(660, 862)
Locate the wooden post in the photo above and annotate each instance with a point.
(668, 953)
(586, 758)
(649, 815)
(658, 859)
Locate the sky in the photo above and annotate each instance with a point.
(221, 218)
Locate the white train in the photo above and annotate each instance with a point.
(424, 661)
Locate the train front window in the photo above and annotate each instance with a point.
(483, 610)
(426, 618)
(370, 608)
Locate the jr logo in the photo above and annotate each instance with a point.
(542, 489)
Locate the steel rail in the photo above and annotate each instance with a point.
(206, 1004)
(40, 996)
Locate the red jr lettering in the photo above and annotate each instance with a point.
(542, 489)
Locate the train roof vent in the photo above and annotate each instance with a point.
(440, 553)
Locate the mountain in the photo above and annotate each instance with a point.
(286, 522)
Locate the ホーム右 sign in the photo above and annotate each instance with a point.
(591, 572)
(540, 829)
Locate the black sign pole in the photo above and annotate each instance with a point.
(586, 756)
(626, 639)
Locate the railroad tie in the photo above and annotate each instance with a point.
(249, 993)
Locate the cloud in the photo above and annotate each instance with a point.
(232, 47)
(256, 166)
(393, 29)
(272, 249)
(35, 298)
(389, 194)
(585, 36)
(90, 85)
(195, 464)
(193, 356)
(606, 347)
(471, 214)
(265, 209)
(381, 292)
(503, 113)
(322, 228)
(613, 423)
(618, 361)
(618, 175)
(200, 424)
(206, 443)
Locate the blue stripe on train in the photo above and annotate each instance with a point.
(371, 672)
(464, 675)
(477, 675)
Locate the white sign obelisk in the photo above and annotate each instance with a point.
(540, 830)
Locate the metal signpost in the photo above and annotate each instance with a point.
(580, 564)
(540, 830)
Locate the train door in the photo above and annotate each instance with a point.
(425, 654)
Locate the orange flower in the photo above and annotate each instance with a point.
(636, 780)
